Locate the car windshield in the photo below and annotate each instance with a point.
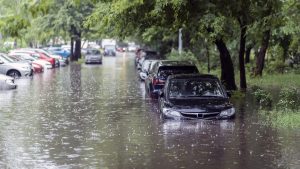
(93, 52)
(166, 71)
(195, 88)
(5, 60)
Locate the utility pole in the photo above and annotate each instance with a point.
(180, 41)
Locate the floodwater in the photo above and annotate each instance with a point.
(97, 116)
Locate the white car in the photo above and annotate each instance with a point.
(7, 82)
(14, 69)
(29, 57)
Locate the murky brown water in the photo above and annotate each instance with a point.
(91, 116)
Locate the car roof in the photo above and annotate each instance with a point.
(174, 63)
(193, 76)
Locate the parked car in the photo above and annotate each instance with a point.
(146, 67)
(145, 55)
(132, 47)
(60, 51)
(58, 59)
(33, 59)
(109, 50)
(7, 82)
(93, 56)
(160, 72)
(37, 68)
(14, 69)
(36, 55)
(195, 97)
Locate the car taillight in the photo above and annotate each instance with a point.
(157, 81)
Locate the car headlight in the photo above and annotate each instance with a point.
(228, 112)
(170, 112)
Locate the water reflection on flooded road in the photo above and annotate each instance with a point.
(97, 116)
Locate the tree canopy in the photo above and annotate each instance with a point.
(237, 30)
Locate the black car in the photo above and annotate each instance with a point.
(195, 97)
(160, 72)
(109, 50)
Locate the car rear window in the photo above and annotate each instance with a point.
(93, 52)
(166, 71)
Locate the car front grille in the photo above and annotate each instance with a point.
(200, 115)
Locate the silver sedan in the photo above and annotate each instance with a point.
(14, 69)
(93, 56)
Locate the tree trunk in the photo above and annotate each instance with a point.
(208, 58)
(77, 52)
(243, 83)
(248, 53)
(72, 49)
(260, 58)
(227, 70)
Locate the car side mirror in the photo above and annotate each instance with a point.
(228, 93)
(1, 62)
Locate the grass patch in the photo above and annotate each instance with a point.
(282, 119)
(275, 80)
(237, 95)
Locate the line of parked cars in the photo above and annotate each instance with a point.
(25, 62)
(181, 91)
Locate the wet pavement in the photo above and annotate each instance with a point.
(97, 116)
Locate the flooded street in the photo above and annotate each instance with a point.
(97, 116)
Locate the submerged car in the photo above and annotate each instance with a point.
(195, 97)
(93, 56)
(7, 82)
(155, 81)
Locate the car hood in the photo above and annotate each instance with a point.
(205, 104)
(42, 62)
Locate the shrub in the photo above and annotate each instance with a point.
(277, 67)
(184, 56)
(263, 98)
(289, 99)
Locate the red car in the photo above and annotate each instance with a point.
(37, 68)
(47, 58)
(37, 55)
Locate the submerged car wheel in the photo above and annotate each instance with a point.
(14, 74)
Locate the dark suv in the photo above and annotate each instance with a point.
(195, 97)
(160, 72)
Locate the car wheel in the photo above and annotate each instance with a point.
(14, 74)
